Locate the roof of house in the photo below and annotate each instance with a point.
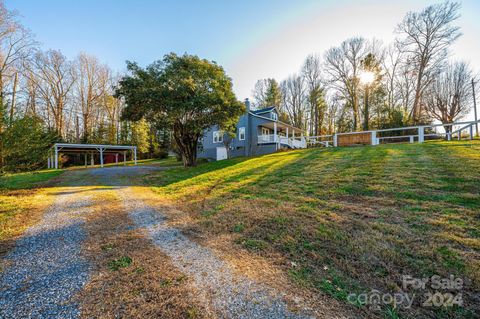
(264, 110)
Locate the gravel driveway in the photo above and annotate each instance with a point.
(230, 295)
(46, 269)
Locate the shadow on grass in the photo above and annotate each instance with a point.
(352, 219)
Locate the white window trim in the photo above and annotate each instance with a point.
(241, 131)
(265, 129)
(219, 135)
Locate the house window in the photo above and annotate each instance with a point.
(217, 137)
(241, 134)
(274, 116)
(265, 131)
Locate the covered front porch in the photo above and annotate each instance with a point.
(281, 134)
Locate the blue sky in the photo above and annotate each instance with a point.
(251, 39)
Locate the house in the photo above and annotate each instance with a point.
(258, 132)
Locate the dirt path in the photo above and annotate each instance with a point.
(47, 268)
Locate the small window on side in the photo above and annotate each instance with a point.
(217, 137)
(241, 134)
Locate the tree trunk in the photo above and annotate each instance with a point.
(367, 111)
(416, 102)
(187, 145)
(12, 109)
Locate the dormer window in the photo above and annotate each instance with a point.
(274, 116)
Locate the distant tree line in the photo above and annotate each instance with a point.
(364, 84)
(46, 98)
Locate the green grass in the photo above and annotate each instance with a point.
(351, 219)
(122, 262)
(26, 180)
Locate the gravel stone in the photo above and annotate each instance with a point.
(45, 268)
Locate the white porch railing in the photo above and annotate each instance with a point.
(292, 142)
(267, 138)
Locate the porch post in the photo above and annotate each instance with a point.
(92, 159)
(86, 160)
(56, 157)
(101, 156)
(124, 158)
(135, 155)
(287, 132)
(275, 134)
(116, 159)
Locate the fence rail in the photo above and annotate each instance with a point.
(419, 135)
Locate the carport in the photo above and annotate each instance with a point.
(92, 149)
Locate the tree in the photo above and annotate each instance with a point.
(140, 135)
(27, 142)
(426, 37)
(370, 68)
(267, 93)
(189, 94)
(294, 100)
(343, 64)
(54, 78)
(15, 46)
(311, 71)
(90, 86)
(450, 95)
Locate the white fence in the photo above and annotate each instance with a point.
(416, 133)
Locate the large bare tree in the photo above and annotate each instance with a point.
(266, 93)
(294, 100)
(450, 95)
(312, 72)
(92, 80)
(343, 66)
(54, 77)
(426, 37)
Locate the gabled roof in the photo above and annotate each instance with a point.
(264, 110)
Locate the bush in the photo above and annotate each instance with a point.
(25, 144)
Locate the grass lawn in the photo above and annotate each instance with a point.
(26, 180)
(347, 220)
(22, 203)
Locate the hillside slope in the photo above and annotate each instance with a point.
(345, 220)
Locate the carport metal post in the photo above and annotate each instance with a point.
(86, 160)
(56, 157)
(124, 158)
(101, 156)
(135, 154)
(116, 159)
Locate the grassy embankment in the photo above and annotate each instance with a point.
(346, 220)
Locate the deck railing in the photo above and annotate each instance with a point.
(292, 142)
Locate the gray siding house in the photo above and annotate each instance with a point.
(258, 132)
